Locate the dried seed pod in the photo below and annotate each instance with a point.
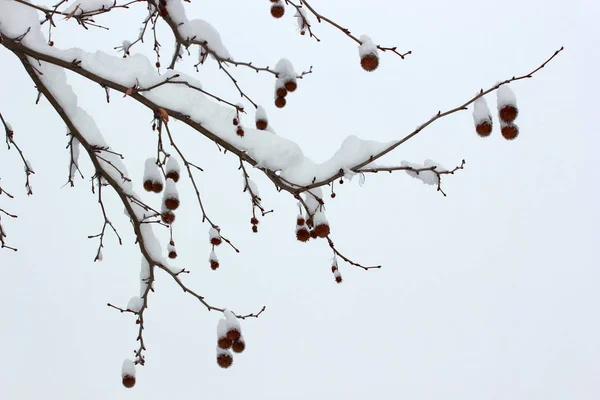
(321, 225)
(167, 216)
(224, 358)
(277, 9)
(290, 85)
(509, 131)
(280, 102)
(238, 346)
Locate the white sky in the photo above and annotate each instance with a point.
(490, 293)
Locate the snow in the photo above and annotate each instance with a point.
(213, 233)
(232, 321)
(319, 219)
(151, 243)
(301, 17)
(196, 29)
(89, 5)
(75, 155)
(505, 96)
(135, 304)
(213, 257)
(261, 114)
(427, 177)
(151, 170)
(251, 186)
(144, 276)
(481, 111)
(222, 328)
(173, 165)
(170, 190)
(310, 198)
(285, 69)
(270, 151)
(367, 46)
(128, 368)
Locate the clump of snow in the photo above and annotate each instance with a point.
(285, 69)
(310, 198)
(261, 114)
(427, 177)
(213, 234)
(144, 276)
(301, 19)
(231, 321)
(128, 368)
(367, 46)
(170, 190)
(88, 5)
(481, 111)
(173, 165)
(319, 219)
(505, 96)
(197, 30)
(135, 304)
(151, 170)
(222, 328)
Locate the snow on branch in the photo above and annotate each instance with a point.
(172, 95)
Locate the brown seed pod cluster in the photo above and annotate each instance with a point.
(336, 272)
(152, 176)
(229, 336)
(171, 251)
(302, 231)
(507, 112)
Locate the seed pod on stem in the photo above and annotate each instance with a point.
(234, 329)
(173, 170)
(369, 59)
(482, 117)
(277, 9)
(128, 373)
(507, 104)
(214, 236)
(213, 260)
(261, 118)
(321, 225)
(152, 176)
(224, 358)
(222, 340)
(171, 197)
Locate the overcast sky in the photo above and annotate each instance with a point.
(489, 293)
